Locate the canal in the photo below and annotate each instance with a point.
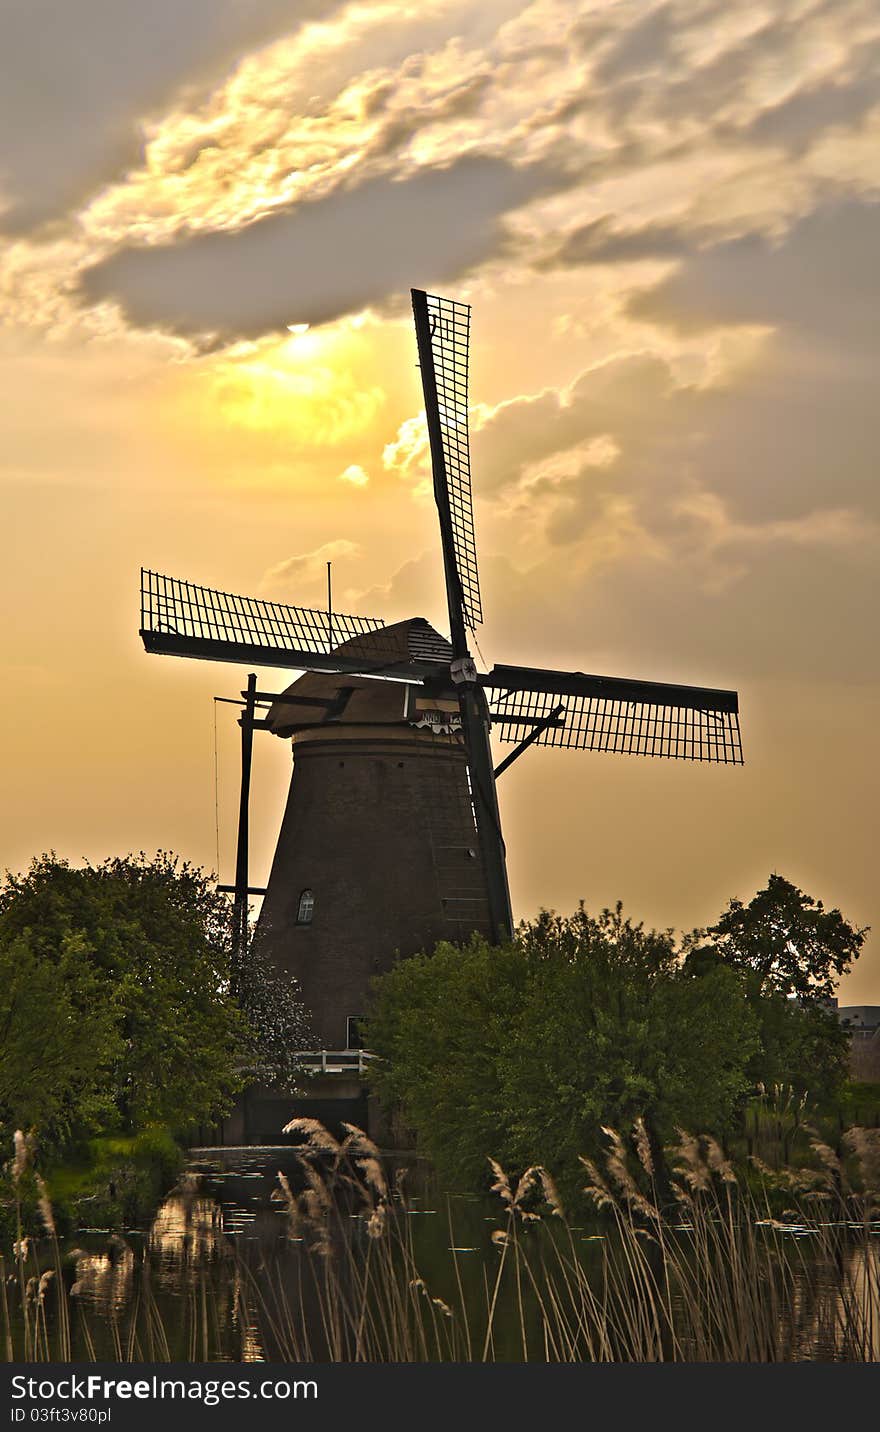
(246, 1260)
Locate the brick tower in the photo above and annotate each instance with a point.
(378, 854)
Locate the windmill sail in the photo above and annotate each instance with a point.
(600, 713)
(182, 619)
(443, 331)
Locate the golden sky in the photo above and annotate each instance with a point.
(667, 219)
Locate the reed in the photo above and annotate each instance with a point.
(779, 1266)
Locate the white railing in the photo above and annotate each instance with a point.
(334, 1061)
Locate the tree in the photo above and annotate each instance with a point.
(58, 1042)
(791, 952)
(786, 943)
(438, 1023)
(151, 975)
(525, 1051)
(277, 1019)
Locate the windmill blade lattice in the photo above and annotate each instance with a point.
(183, 619)
(450, 337)
(626, 717)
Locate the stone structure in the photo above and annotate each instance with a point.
(378, 854)
(863, 1022)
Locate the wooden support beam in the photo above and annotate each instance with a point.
(553, 719)
(239, 907)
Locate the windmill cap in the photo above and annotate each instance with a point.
(411, 640)
(368, 701)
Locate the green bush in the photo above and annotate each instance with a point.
(526, 1050)
(115, 1181)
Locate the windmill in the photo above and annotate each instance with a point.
(393, 813)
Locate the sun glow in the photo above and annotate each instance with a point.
(312, 386)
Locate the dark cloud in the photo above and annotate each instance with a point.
(818, 280)
(754, 505)
(798, 427)
(682, 598)
(78, 75)
(624, 395)
(647, 72)
(771, 609)
(797, 120)
(644, 48)
(322, 260)
(600, 242)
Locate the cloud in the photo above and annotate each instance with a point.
(797, 426)
(302, 580)
(813, 281)
(79, 78)
(734, 70)
(616, 400)
(779, 428)
(715, 524)
(296, 120)
(602, 242)
(408, 454)
(842, 102)
(416, 588)
(635, 130)
(755, 605)
(323, 260)
(646, 47)
(691, 523)
(355, 475)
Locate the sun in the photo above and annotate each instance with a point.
(313, 386)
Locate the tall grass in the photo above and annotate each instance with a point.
(30, 1280)
(701, 1264)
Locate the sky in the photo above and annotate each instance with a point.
(666, 218)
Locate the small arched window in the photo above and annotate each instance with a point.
(306, 908)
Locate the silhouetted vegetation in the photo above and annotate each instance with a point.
(116, 1019)
(529, 1049)
(132, 955)
(790, 952)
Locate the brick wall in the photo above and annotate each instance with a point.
(379, 827)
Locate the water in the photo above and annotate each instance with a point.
(217, 1274)
(217, 1244)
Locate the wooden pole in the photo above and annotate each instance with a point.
(240, 902)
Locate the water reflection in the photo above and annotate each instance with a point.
(104, 1280)
(218, 1275)
(188, 1227)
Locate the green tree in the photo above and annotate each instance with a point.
(786, 943)
(525, 1051)
(152, 947)
(438, 1023)
(791, 953)
(58, 1042)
